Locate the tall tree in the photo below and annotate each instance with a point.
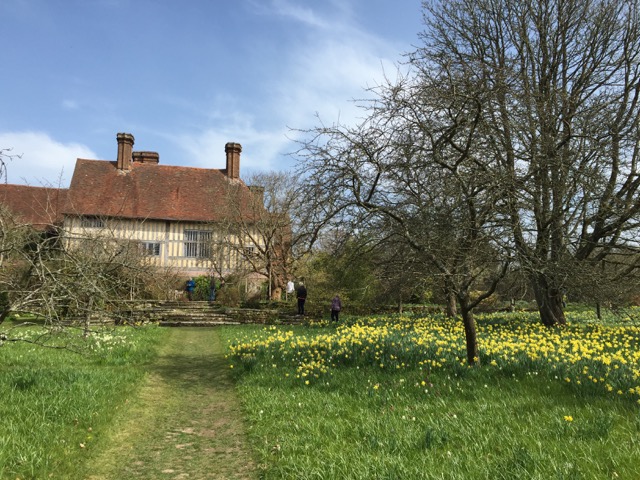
(411, 171)
(557, 86)
(6, 156)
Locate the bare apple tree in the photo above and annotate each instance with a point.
(65, 279)
(415, 172)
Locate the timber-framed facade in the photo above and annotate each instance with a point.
(173, 213)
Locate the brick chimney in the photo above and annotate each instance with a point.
(233, 159)
(125, 148)
(146, 157)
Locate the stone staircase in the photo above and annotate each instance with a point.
(198, 314)
(187, 314)
(183, 314)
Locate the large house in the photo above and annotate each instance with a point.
(172, 212)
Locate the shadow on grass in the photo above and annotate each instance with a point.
(194, 360)
(185, 370)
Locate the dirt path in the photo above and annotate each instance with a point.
(186, 422)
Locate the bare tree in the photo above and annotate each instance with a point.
(557, 87)
(262, 230)
(414, 168)
(402, 273)
(5, 156)
(64, 280)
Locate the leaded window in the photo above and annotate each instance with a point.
(197, 243)
(151, 249)
(91, 222)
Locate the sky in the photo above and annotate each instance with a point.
(186, 77)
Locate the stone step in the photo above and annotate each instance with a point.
(194, 323)
(187, 318)
(181, 313)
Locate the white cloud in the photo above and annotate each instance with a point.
(70, 104)
(325, 73)
(260, 149)
(301, 14)
(43, 160)
(329, 66)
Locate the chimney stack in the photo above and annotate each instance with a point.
(125, 149)
(146, 157)
(233, 159)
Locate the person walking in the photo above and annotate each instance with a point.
(336, 306)
(302, 297)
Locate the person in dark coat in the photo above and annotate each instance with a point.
(336, 306)
(212, 289)
(302, 297)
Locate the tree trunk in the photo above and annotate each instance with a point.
(5, 313)
(549, 300)
(450, 298)
(470, 335)
(87, 318)
(452, 309)
(275, 291)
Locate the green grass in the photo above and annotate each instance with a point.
(56, 403)
(185, 422)
(373, 398)
(476, 427)
(357, 420)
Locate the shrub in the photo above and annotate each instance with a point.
(228, 295)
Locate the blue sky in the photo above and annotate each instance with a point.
(185, 77)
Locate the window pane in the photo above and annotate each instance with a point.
(197, 243)
(151, 249)
(91, 222)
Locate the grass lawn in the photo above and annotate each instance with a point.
(370, 398)
(58, 403)
(137, 403)
(389, 399)
(185, 421)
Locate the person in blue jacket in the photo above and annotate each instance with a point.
(190, 286)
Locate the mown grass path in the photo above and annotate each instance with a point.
(186, 421)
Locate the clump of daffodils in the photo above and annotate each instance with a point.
(585, 354)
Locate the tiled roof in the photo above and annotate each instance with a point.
(150, 191)
(38, 206)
